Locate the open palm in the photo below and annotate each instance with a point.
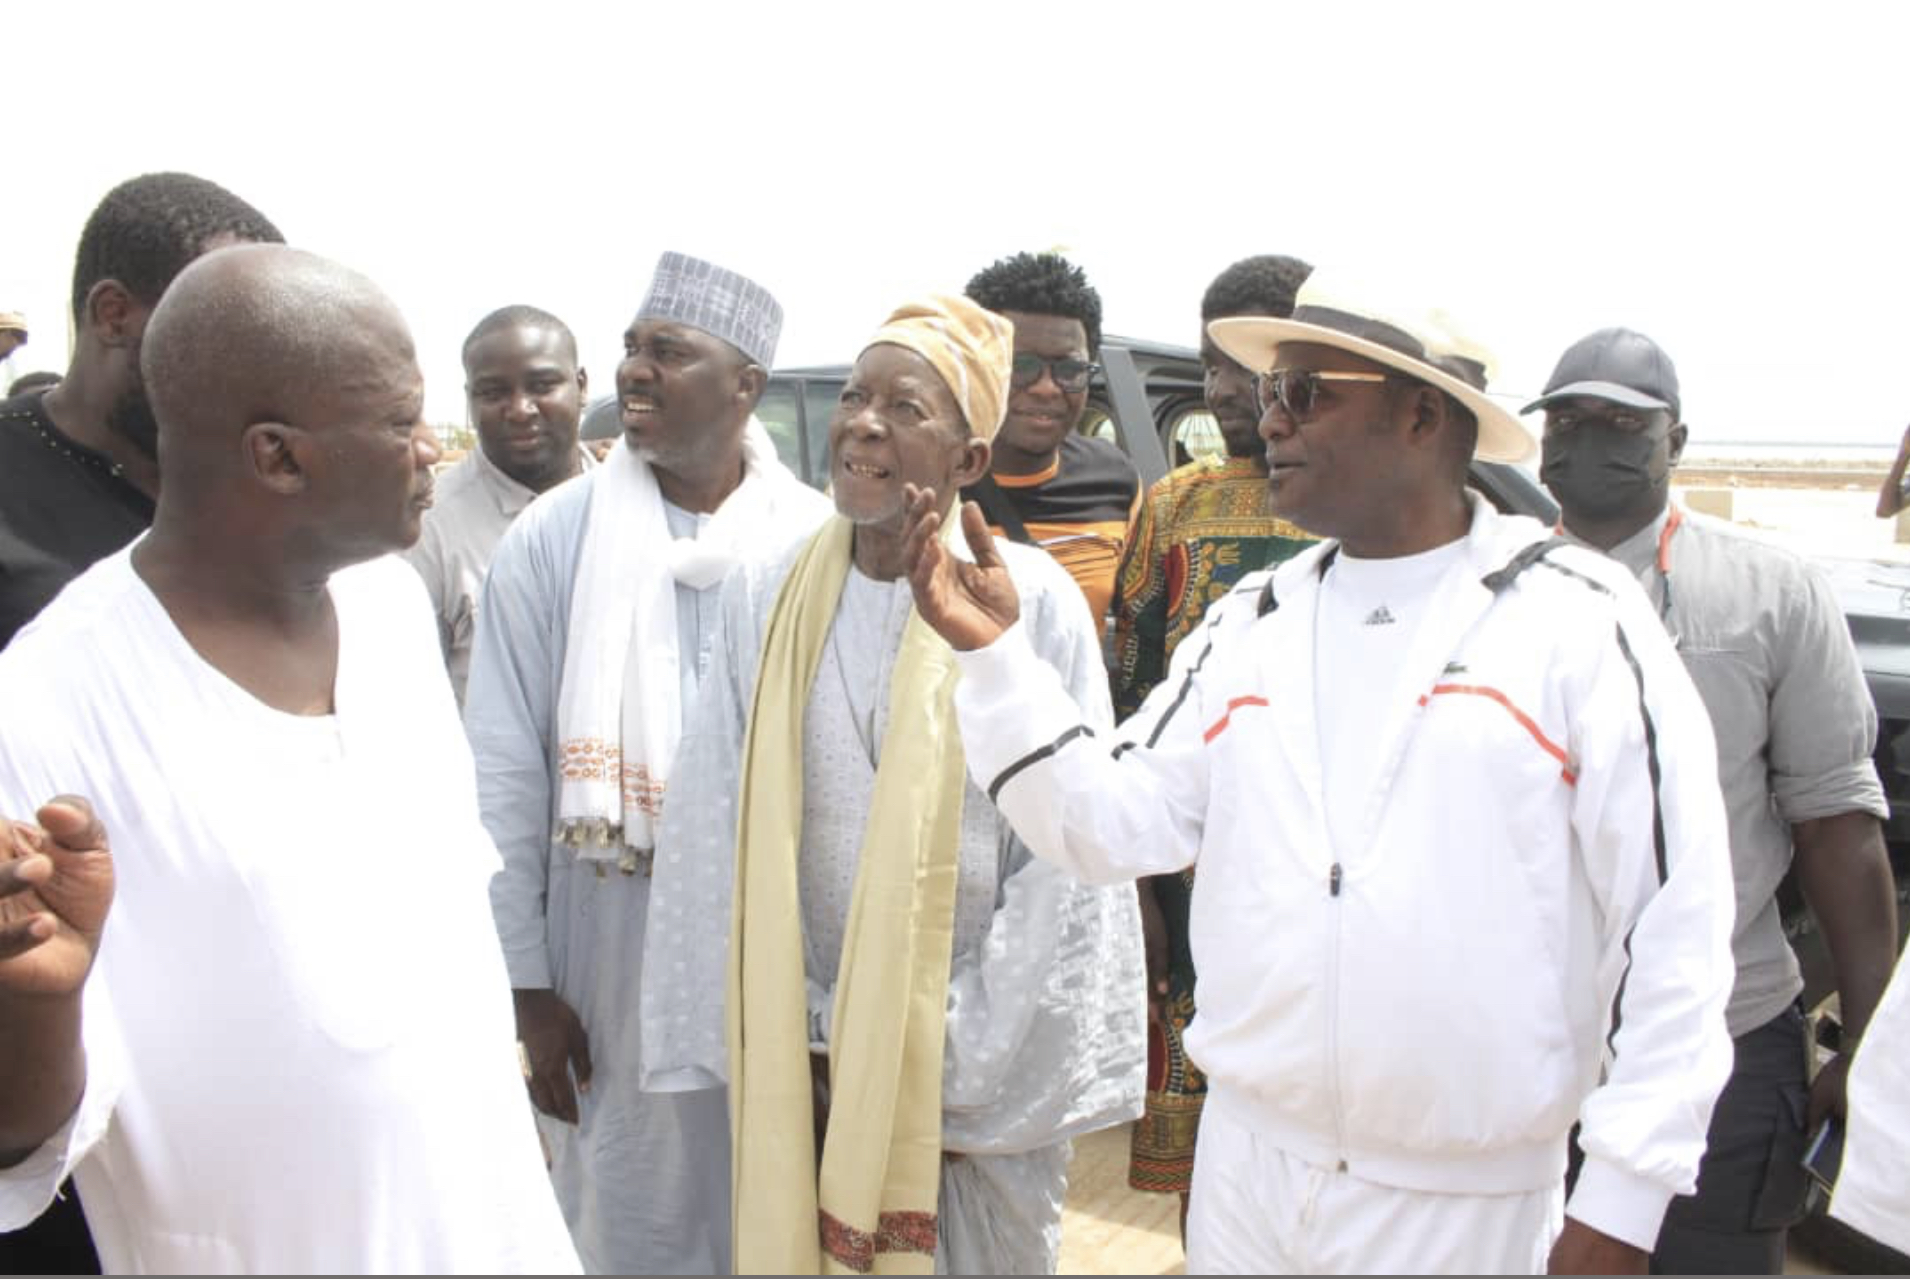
(969, 605)
(56, 887)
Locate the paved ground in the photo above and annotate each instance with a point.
(1107, 1229)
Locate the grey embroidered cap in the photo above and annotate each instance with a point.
(720, 302)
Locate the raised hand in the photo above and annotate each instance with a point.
(56, 887)
(556, 1047)
(969, 605)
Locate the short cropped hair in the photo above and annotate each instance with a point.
(518, 316)
(1265, 284)
(148, 228)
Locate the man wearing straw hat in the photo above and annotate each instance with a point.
(594, 631)
(919, 1014)
(1462, 871)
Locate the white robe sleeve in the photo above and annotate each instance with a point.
(27, 1188)
(1047, 1016)
(686, 946)
(27, 780)
(509, 717)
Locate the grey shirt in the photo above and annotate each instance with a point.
(1765, 642)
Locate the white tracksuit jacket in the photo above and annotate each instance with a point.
(1545, 903)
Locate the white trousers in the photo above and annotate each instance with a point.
(1256, 1209)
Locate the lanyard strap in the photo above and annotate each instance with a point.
(1672, 524)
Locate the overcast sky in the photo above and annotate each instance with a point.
(1734, 181)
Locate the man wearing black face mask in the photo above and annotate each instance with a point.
(1766, 645)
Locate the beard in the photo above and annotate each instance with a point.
(131, 418)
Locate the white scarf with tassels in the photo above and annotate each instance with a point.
(619, 713)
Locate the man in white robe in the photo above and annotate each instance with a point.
(596, 627)
(1042, 1030)
(283, 1042)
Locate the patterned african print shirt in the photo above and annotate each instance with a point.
(1203, 528)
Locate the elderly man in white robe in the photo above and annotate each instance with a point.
(890, 946)
(595, 627)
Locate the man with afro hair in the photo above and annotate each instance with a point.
(1048, 485)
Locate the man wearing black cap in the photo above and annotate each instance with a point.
(1462, 876)
(1761, 634)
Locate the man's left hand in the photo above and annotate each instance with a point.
(1581, 1250)
(1827, 1091)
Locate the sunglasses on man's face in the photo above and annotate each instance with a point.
(1297, 391)
(1628, 421)
(1068, 373)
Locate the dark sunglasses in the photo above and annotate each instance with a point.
(1068, 373)
(1297, 391)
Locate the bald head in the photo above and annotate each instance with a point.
(255, 333)
(289, 402)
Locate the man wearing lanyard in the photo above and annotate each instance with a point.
(1764, 641)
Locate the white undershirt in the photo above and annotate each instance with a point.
(1369, 612)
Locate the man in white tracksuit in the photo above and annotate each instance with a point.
(1463, 872)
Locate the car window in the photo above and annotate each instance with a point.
(1096, 424)
(1195, 435)
(819, 405)
(777, 412)
(603, 420)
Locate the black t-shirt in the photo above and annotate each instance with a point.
(63, 507)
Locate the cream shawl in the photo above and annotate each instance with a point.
(872, 1208)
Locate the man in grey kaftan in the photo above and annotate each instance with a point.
(594, 631)
(569, 929)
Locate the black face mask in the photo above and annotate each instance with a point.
(1599, 472)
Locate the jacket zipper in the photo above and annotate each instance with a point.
(1334, 880)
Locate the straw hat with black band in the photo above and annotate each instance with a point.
(1422, 345)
